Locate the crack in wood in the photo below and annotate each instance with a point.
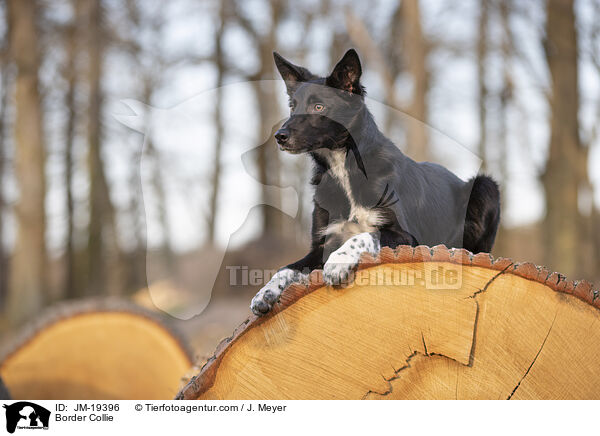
(490, 281)
(407, 365)
(394, 377)
(534, 359)
(476, 322)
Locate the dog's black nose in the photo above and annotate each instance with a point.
(282, 135)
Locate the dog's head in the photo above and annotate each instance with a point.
(323, 110)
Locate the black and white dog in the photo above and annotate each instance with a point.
(368, 194)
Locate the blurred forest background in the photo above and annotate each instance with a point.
(517, 83)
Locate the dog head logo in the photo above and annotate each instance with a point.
(26, 415)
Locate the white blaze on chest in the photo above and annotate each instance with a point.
(360, 219)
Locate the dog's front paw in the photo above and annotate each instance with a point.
(340, 267)
(263, 301)
(338, 273)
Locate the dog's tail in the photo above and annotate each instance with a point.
(483, 215)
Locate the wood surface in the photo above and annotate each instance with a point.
(492, 329)
(96, 350)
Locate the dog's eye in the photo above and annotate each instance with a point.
(319, 107)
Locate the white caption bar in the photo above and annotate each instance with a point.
(296, 417)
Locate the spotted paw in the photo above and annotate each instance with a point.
(341, 266)
(264, 300)
(339, 274)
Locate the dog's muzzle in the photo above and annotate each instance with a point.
(282, 136)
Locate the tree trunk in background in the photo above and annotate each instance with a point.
(268, 155)
(416, 48)
(564, 165)
(267, 159)
(218, 123)
(28, 267)
(505, 99)
(595, 224)
(595, 219)
(388, 63)
(395, 64)
(135, 277)
(4, 84)
(102, 247)
(482, 53)
(138, 277)
(70, 74)
(506, 92)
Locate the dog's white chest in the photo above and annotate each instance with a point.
(361, 219)
(337, 166)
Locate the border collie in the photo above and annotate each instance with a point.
(367, 193)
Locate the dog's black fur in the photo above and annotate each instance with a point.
(387, 194)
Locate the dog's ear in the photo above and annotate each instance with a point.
(290, 73)
(346, 74)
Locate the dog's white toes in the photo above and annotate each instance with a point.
(338, 274)
(263, 301)
(341, 266)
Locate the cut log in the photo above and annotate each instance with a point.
(4, 394)
(96, 349)
(417, 324)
